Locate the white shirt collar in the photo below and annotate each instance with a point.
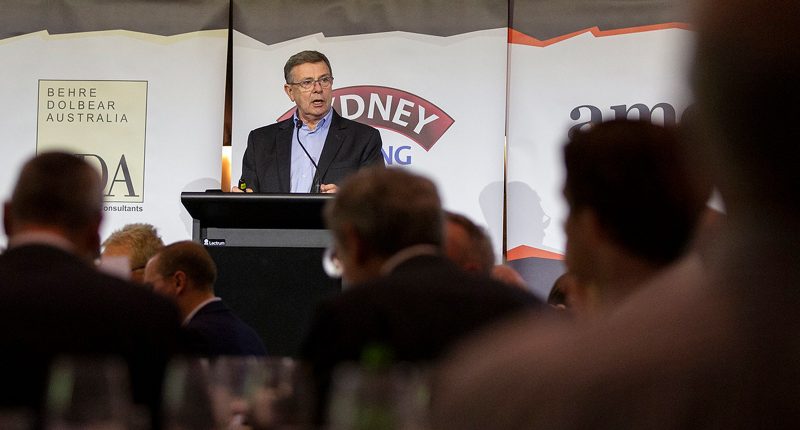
(407, 254)
(320, 124)
(41, 238)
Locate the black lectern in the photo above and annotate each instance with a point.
(268, 249)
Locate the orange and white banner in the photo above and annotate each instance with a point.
(568, 82)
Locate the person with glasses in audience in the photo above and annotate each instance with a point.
(316, 148)
(136, 243)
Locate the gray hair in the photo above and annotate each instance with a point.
(303, 58)
(390, 209)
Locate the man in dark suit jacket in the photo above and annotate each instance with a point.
(404, 298)
(52, 300)
(315, 149)
(185, 272)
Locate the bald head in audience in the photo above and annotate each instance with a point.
(184, 272)
(467, 244)
(470, 247)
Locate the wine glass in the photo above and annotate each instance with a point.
(90, 393)
(394, 398)
(186, 399)
(231, 381)
(230, 393)
(282, 398)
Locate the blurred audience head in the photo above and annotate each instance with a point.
(558, 296)
(467, 244)
(507, 275)
(138, 243)
(634, 201)
(747, 97)
(57, 193)
(571, 296)
(184, 272)
(710, 229)
(379, 212)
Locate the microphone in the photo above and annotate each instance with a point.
(315, 182)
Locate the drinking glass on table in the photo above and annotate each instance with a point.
(282, 398)
(91, 393)
(395, 398)
(186, 398)
(232, 393)
(231, 381)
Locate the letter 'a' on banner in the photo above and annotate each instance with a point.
(570, 67)
(132, 87)
(435, 88)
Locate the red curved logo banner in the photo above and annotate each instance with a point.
(389, 108)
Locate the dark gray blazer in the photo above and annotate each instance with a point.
(53, 303)
(350, 145)
(417, 312)
(216, 331)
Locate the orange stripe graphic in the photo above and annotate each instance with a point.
(519, 38)
(524, 251)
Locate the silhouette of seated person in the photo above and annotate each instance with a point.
(402, 294)
(53, 302)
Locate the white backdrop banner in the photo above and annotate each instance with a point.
(139, 91)
(146, 109)
(438, 101)
(556, 85)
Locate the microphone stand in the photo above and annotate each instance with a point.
(315, 182)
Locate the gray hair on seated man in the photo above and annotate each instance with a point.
(379, 212)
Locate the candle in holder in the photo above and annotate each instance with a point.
(225, 181)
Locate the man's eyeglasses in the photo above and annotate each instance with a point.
(307, 84)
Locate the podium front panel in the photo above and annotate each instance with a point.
(274, 289)
(268, 249)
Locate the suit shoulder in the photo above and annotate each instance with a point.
(147, 304)
(271, 128)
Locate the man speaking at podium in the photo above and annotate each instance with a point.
(316, 148)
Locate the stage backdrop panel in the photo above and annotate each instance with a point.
(137, 87)
(430, 77)
(567, 76)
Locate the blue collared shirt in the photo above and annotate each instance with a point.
(302, 172)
